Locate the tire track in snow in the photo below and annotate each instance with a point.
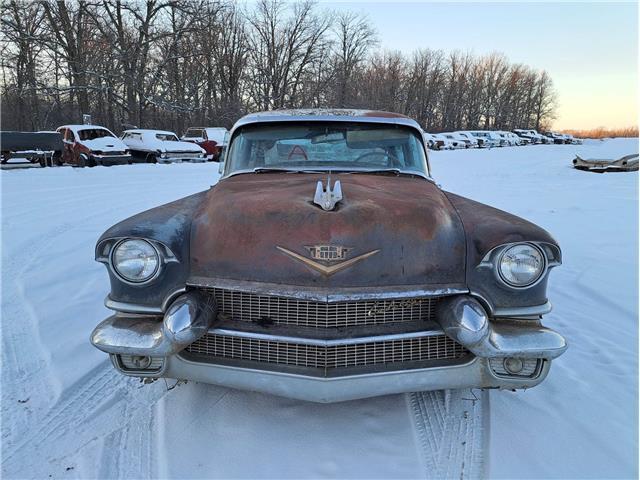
(452, 431)
(25, 376)
(28, 376)
(102, 404)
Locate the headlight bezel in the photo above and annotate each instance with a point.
(498, 261)
(123, 278)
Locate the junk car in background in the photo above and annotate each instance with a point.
(211, 139)
(327, 265)
(153, 146)
(91, 145)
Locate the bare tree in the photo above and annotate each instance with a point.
(282, 49)
(354, 39)
(21, 26)
(544, 101)
(175, 63)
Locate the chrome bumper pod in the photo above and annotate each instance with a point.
(464, 320)
(186, 320)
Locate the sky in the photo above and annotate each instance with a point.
(589, 49)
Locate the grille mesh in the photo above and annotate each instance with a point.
(435, 347)
(249, 307)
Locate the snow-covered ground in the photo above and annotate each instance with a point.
(67, 414)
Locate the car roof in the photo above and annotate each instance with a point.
(148, 130)
(328, 115)
(83, 127)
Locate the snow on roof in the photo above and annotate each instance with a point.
(328, 114)
(149, 130)
(323, 112)
(82, 127)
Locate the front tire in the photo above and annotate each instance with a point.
(151, 158)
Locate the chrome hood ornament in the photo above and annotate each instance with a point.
(327, 199)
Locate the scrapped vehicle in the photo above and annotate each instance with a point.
(628, 163)
(513, 139)
(490, 139)
(556, 138)
(533, 135)
(153, 146)
(444, 143)
(473, 141)
(459, 141)
(91, 145)
(432, 142)
(504, 138)
(327, 265)
(44, 148)
(211, 139)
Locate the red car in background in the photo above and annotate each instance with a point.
(212, 139)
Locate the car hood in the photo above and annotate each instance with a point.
(105, 144)
(264, 227)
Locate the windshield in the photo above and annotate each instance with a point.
(167, 137)
(326, 146)
(93, 133)
(194, 133)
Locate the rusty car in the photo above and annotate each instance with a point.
(326, 264)
(92, 145)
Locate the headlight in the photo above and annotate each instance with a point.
(135, 260)
(521, 265)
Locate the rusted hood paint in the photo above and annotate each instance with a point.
(243, 220)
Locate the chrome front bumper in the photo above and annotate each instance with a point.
(474, 374)
(462, 318)
(193, 159)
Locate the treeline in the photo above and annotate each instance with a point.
(602, 132)
(175, 63)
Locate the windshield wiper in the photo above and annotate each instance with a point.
(394, 171)
(280, 169)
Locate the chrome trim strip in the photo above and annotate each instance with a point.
(126, 307)
(513, 312)
(523, 311)
(323, 343)
(328, 295)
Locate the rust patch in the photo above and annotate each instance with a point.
(242, 221)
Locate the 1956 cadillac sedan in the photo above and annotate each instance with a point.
(327, 265)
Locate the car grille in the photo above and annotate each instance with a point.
(183, 154)
(250, 307)
(432, 347)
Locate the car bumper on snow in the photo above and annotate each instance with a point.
(464, 347)
(111, 159)
(181, 157)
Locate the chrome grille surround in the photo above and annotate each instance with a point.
(328, 355)
(251, 307)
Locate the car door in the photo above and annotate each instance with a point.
(67, 149)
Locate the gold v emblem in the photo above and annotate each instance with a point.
(326, 270)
